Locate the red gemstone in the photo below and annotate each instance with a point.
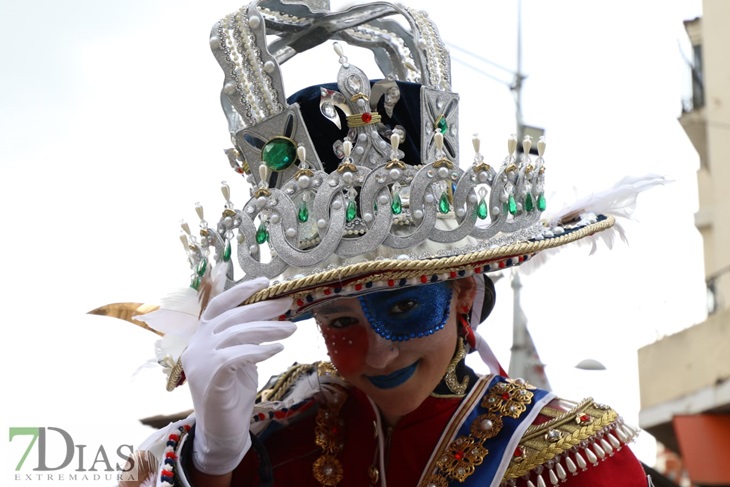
(391, 282)
(459, 455)
(584, 418)
(505, 396)
(518, 452)
(452, 274)
(366, 117)
(424, 279)
(358, 287)
(239, 170)
(327, 292)
(300, 302)
(478, 270)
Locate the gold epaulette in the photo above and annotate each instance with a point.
(279, 386)
(568, 443)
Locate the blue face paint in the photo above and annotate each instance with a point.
(411, 312)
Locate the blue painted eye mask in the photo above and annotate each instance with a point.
(411, 312)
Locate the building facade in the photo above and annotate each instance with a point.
(685, 378)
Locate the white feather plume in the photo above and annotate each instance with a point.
(618, 201)
(178, 317)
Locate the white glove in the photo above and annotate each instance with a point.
(220, 367)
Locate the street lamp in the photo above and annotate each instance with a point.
(590, 364)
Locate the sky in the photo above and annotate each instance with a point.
(111, 130)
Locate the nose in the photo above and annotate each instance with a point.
(381, 352)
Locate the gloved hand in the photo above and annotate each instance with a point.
(220, 367)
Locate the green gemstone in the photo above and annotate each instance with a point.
(444, 203)
(202, 266)
(375, 207)
(512, 205)
(482, 209)
(541, 203)
(279, 153)
(262, 235)
(227, 252)
(396, 207)
(303, 214)
(351, 212)
(442, 125)
(529, 205)
(195, 283)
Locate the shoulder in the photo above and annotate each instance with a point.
(293, 395)
(286, 404)
(581, 443)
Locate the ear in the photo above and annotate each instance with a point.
(464, 292)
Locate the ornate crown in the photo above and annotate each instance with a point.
(349, 182)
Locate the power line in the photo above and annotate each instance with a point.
(482, 72)
(480, 58)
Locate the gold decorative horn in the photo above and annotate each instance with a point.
(126, 312)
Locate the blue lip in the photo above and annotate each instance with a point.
(394, 379)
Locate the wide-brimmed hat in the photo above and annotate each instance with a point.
(357, 186)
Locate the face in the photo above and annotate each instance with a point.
(395, 346)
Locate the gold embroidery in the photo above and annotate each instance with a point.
(486, 426)
(327, 470)
(328, 435)
(462, 458)
(466, 453)
(588, 430)
(508, 398)
(437, 481)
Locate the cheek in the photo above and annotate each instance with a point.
(347, 347)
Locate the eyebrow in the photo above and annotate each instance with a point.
(331, 309)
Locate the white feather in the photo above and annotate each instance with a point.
(177, 317)
(618, 201)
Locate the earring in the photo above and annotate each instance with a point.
(452, 382)
(471, 338)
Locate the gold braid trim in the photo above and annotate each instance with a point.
(285, 381)
(542, 443)
(176, 376)
(403, 269)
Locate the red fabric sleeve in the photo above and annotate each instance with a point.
(622, 469)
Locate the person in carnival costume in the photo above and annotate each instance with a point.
(362, 217)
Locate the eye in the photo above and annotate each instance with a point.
(341, 322)
(403, 306)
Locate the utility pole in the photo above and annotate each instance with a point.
(524, 361)
(516, 86)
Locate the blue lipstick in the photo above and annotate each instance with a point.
(393, 379)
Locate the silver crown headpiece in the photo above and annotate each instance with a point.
(301, 219)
